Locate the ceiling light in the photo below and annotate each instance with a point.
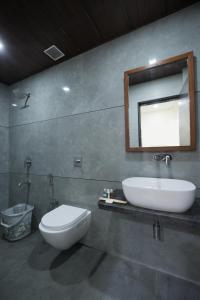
(14, 104)
(152, 61)
(66, 89)
(155, 106)
(1, 46)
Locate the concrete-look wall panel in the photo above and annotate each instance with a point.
(88, 121)
(95, 78)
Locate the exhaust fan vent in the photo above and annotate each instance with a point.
(54, 53)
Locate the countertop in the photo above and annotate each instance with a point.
(191, 217)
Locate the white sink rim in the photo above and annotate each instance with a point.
(164, 194)
(174, 184)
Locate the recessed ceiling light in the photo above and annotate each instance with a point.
(66, 89)
(155, 106)
(14, 104)
(1, 46)
(152, 61)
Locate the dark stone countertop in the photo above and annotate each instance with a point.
(190, 218)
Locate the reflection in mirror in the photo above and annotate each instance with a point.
(168, 120)
(159, 106)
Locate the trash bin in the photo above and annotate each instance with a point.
(16, 221)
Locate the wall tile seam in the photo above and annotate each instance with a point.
(67, 177)
(66, 116)
(70, 177)
(70, 115)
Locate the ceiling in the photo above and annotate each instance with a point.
(27, 28)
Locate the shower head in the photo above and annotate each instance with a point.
(26, 101)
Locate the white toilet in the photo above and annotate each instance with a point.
(65, 225)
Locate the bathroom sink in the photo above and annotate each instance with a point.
(170, 195)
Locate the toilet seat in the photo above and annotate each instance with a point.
(64, 226)
(63, 217)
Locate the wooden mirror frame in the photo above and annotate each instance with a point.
(190, 63)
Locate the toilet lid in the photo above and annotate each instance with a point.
(62, 217)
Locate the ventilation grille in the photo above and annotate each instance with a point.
(54, 53)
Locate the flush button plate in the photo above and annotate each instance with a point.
(78, 162)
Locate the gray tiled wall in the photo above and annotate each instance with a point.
(88, 121)
(4, 144)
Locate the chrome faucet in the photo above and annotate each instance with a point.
(163, 157)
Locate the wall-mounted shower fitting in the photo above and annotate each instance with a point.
(27, 181)
(27, 165)
(53, 202)
(28, 95)
(78, 162)
(157, 231)
(24, 182)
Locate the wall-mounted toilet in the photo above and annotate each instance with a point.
(65, 225)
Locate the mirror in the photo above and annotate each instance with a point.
(159, 106)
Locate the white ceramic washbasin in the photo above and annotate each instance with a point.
(170, 195)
